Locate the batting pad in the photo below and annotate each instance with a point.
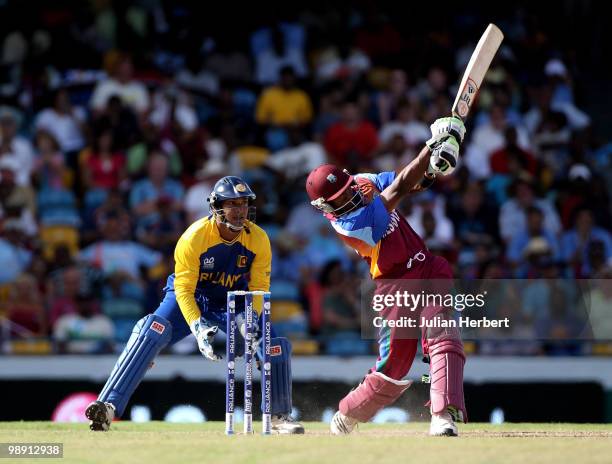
(150, 335)
(374, 393)
(280, 351)
(446, 373)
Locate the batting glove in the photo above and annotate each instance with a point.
(443, 159)
(204, 336)
(443, 128)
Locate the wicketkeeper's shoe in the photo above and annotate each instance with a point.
(341, 424)
(443, 425)
(100, 415)
(285, 424)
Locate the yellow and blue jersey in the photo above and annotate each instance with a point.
(207, 266)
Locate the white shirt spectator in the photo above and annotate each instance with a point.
(201, 81)
(133, 94)
(17, 258)
(414, 132)
(22, 153)
(297, 161)
(195, 202)
(445, 230)
(268, 65)
(305, 221)
(64, 127)
(576, 118)
(486, 139)
(330, 65)
(184, 113)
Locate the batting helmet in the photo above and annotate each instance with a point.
(326, 183)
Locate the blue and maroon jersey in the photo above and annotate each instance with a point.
(385, 240)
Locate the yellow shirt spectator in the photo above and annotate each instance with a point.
(280, 107)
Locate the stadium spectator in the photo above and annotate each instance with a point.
(50, 170)
(329, 110)
(431, 91)
(275, 48)
(84, 332)
(120, 83)
(284, 104)
(102, 166)
(115, 254)
(428, 219)
(511, 158)
(161, 231)
(352, 140)
(487, 139)
(146, 192)
(26, 308)
(559, 80)
(518, 248)
(512, 214)
(195, 203)
(13, 251)
(17, 202)
(475, 221)
(64, 122)
(407, 124)
(394, 154)
(576, 243)
(65, 301)
(298, 158)
(600, 302)
(172, 109)
(14, 146)
(389, 101)
(340, 60)
(123, 123)
(340, 303)
(542, 106)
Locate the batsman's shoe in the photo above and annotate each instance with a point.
(285, 424)
(341, 424)
(443, 425)
(100, 415)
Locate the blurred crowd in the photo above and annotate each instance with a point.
(106, 156)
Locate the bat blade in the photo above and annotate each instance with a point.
(476, 69)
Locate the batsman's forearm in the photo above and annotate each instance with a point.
(412, 174)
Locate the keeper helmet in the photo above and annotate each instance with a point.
(230, 188)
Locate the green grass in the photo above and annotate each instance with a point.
(159, 442)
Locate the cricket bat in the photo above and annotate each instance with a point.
(470, 83)
(476, 69)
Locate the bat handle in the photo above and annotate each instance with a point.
(456, 115)
(428, 179)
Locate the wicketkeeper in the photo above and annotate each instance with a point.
(361, 210)
(222, 252)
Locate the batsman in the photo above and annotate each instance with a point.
(362, 211)
(222, 252)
